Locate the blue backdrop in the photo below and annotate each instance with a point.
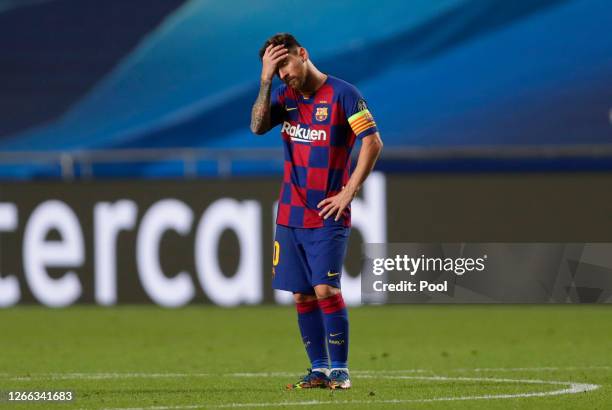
(79, 74)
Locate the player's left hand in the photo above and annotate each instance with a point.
(336, 204)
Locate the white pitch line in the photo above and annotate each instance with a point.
(262, 374)
(353, 372)
(572, 388)
(392, 371)
(534, 369)
(102, 376)
(469, 379)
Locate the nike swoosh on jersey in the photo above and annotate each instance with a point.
(290, 108)
(334, 334)
(330, 274)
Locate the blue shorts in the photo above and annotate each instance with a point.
(305, 257)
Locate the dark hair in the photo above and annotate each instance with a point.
(285, 39)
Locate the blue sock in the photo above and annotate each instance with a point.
(312, 329)
(335, 317)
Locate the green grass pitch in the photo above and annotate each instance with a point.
(417, 357)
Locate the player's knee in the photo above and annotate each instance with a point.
(325, 291)
(302, 297)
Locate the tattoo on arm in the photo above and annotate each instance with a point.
(260, 115)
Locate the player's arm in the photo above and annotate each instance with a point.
(371, 147)
(261, 121)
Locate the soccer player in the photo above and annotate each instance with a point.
(321, 118)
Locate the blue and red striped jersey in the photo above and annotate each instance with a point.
(318, 135)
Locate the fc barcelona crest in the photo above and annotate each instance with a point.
(321, 114)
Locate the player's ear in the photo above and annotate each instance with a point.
(303, 53)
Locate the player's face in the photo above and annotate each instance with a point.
(292, 70)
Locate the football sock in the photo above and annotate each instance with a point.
(325, 370)
(335, 317)
(312, 329)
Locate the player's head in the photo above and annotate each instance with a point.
(293, 69)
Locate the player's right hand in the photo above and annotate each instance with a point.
(272, 56)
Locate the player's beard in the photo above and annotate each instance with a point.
(295, 83)
(292, 82)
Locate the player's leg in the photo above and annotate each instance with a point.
(312, 329)
(335, 317)
(325, 252)
(291, 273)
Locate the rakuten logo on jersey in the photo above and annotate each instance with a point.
(297, 133)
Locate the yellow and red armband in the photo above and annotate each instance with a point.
(362, 123)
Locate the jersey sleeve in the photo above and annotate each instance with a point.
(277, 101)
(357, 113)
